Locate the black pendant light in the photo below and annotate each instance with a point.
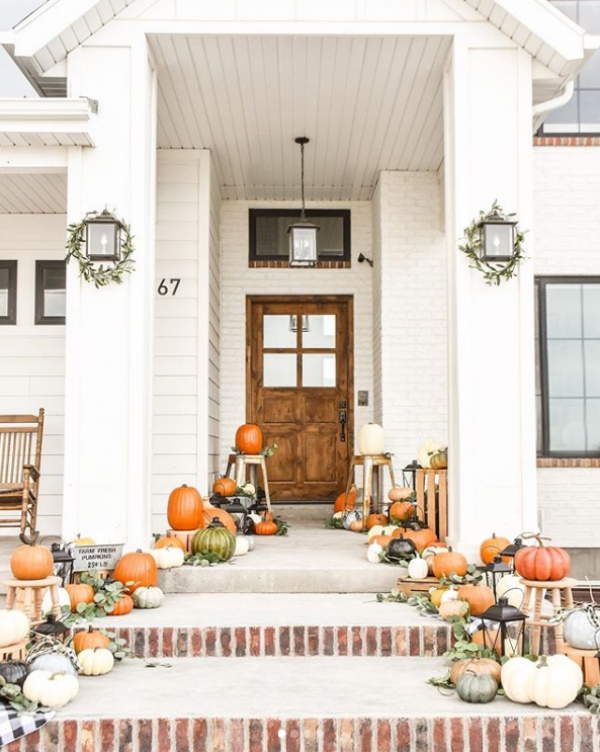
(303, 234)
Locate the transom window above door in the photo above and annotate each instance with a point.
(269, 239)
(299, 350)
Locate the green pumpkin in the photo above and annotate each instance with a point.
(479, 688)
(214, 539)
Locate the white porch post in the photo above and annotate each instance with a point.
(109, 331)
(488, 145)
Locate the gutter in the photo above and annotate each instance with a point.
(543, 108)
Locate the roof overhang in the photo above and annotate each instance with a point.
(46, 122)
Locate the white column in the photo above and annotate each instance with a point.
(488, 144)
(109, 331)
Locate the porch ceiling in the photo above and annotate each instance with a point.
(33, 193)
(367, 104)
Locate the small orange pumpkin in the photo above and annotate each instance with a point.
(211, 512)
(31, 562)
(489, 639)
(80, 594)
(123, 606)
(267, 527)
(401, 510)
(444, 564)
(383, 540)
(184, 510)
(344, 502)
(90, 639)
(356, 526)
(435, 596)
(376, 519)
(137, 568)
(491, 547)
(479, 598)
(169, 541)
(399, 493)
(454, 608)
(225, 486)
(249, 439)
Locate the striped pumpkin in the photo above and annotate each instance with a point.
(214, 539)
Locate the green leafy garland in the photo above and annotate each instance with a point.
(100, 274)
(493, 273)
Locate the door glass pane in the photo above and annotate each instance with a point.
(592, 409)
(279, 369)
(567, 430)
(278, 331)
(318, 369)
(592, 367)
(563, 307)
(319, 331)
(591, 310)
(565, 368)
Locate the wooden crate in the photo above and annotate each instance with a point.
(432, 499)
(185, 536)
(409, 587)
(587, 660)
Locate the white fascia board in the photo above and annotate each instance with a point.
(33, 159)
(35, 111)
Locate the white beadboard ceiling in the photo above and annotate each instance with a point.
(367, 104)
(33, 193)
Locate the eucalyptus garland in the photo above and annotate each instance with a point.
(100, 274)
(493, 272)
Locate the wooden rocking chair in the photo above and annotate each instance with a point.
(20, 459)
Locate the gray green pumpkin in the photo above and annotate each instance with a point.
(214, 539)
(477, 688)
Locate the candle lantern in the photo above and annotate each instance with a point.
(494, 572)
(410, 471)
(52, 627)
(503, 628)
(510, 551)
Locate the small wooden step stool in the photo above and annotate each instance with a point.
(255, 462)
(372, 465)
(557, 589)
(27, 596)
(588, 662)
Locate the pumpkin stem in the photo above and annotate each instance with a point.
(543, 662)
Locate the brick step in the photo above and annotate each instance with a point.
(298, 705)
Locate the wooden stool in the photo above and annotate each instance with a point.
(372, 465)
(255, 462)
(588, 662)
(538, 622)
(185, 536)
(230, 472)
(27, 596)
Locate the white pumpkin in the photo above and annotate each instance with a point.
(515, 677)
(580, 628)
(552, 682)
(371, 439)
(251, 542)
(417, 569)
(375, 530)
(338, 515)
(54, 690)
(350, 518)
(449, 595)
(242, 546)
(96, 661)
(63, 599)
(168, 557)
(389, 529)
(148, 597)
(373, 552)
(430, 552)
(14, 627)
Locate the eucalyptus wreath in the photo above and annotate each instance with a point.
(100, 274)
(493, 272)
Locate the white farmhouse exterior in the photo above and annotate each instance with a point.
(181, 115)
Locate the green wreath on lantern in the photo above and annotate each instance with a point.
(493, 272)
(100, 274)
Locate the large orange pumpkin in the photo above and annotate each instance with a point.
(225, 486)
(184, 510)
(344, 502)
(491, 547)
(444, 564)
(479, 598)
(546, 563)
(123, 606)
(169, 541)
(80, 594)
(376, 519)
(401, 510)
(31, 562)
(211, 512)
(138, 568)
(421, 538)
(90, 639)
(249, 439)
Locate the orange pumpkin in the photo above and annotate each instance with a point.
(169, 541)
(184, 510)
(491, 547)
(383, 540)
(31, 562)
(356, 526)
(225, 486)
(444, 564)
(421, 538)
(546, 563)
(479, 598)
(399, 493)
(211, 512)
(123, 606)
(452, 609)
(249, 439)
(435, 596)
(344, 502)
(268, 527)
(90, 639)
(137, 568)
(489, 638)
(401, 510)
(376, 519)
(80, 594)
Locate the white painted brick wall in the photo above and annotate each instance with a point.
(567, 241)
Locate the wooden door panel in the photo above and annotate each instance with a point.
(320, 461)
(282, 466)
(320, 408)
(279, 409)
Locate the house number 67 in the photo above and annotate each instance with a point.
(163, 288)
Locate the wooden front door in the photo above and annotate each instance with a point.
(300, 391)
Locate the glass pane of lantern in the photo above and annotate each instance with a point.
(318, 369)
(101, 239)
(498, 240)
(304, 242)
(319, 331)
(279, 369)
(279, 331)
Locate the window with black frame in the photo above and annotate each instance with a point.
(8, 292)
(568, 366)
(50, 292)
(269, 239)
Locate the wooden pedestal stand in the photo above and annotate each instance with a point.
(559, 589)
(587, 660)
(27, 595)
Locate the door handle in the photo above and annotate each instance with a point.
(343, 425)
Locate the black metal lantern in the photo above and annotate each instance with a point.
(103, 238)
(303, 234)
(503, 628)
(63, 562)
(497, 238)
(52, 627)
(510, 551)
(494, 572)
(411, 470)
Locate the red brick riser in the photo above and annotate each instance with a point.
(559, 732)
(240, 642)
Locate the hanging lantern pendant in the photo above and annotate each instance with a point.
(303, 234)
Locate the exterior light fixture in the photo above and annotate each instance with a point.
(494, 572)
(303, 234)
(504, 629)
(510, 551)
(294, 323)
(103, 238)
(497, 238)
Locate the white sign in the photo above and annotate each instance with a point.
(88, 558)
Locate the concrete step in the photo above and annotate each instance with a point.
(284, 625)
(298, 705)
